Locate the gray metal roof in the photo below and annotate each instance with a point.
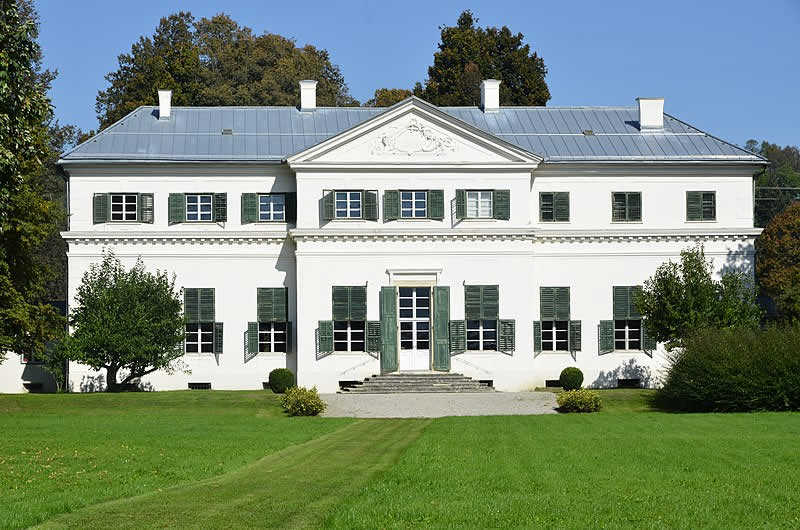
(558, 134)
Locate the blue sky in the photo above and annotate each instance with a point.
(730, 67)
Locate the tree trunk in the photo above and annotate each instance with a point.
(111, 379)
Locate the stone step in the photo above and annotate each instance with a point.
(419, 391)
(418, 383)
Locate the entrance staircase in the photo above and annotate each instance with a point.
(417, 382)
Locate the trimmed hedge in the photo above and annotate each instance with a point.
(280, 380)
(571, 378)
(300, 401)
(583, 400)
(734, 370)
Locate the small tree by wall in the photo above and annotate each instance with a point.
(129, 322)
(778, 262)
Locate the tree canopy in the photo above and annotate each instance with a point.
(778, 184)
(386, 97)
(778, 264)
(215, 61)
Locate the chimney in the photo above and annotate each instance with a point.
(490, 95)
(164, 104)
(651, 114)
(308, 95)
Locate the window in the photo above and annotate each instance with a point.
(348, 335)
(198, 207)
(272, 337)
(554, 207)
(627, 334)
(626, 207)
(123, 206)
(200, 337)
(348, 204)
(701, 206)
(555, 335)
(479, 204)
(482, 335)
(413, 204)
(272, 207)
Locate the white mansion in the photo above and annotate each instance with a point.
(503, 243)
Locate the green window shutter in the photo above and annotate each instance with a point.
(472, 302)
(506, 331)
(265, 307)
(358, 302)
(388, 302)
(461, 204)
(328, 207)
(436, 204)
(249, 208)
(546, 207)
(340, 303)
(290, 207)
(634, 207)
(441, 328)
(391, 205)
(252, 340)
(191, 304)
(619, 207)
(280, 304)
(621, 297)
(605, 336)
(694, 206)
(561, 207)
(177, 208)
(288, 336)
(574, 335)
(562, 303)
(648, 341)
(374, 336)
(490, 302)
(218, 342)
(537, 337)
(458, 336)
(325, 336)
(145, 206)
(633, 295)
(370, 199)
(547, 303)
(101, 209)
(207, 312)
(501, 204)
(220, 207)
(709, 206)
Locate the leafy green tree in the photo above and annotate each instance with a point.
(683, 297)
(778, 262)
(468, 54)
(28, 219)
(777, 185)
(129, 322)
(386, 97)
(215, 61)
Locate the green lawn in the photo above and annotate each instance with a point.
(231, 460)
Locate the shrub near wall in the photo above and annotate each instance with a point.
(280, 380)
(734, 370)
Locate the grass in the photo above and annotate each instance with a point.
(233, 460)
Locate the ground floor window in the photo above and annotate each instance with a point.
(272, 337)
(627, 334)
(349, 335)
(200, 337)
(555, 335)
(482, 335)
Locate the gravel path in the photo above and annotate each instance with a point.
(438, 405)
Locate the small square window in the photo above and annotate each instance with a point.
(413, 204)
(199, 337)
(272, 207)
(626, 207)
(627, 334)
(479, 204)
(482, 335)
(347, 204)
(272, 337)
(349, 335)
(555, 335)
(198, 207)
(124, 206)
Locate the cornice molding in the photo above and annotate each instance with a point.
(171, 238)
(508, 234)
(615, 236)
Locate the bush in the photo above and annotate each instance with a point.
(300, 401)
(733, 370)
(571, 378)
(582, 400)
(281, 379)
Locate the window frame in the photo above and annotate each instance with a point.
(482, 339)
(271, 210)
(553, 207)
(349, 340)
(627, 207)
(413, 209)
(478, 206)
(627, 339)
(186, 208)
(702, 206)
(136, 197)
(270, 334)
(200, 332)
(554, 341)
(348, 208)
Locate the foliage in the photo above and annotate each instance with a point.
(27, 218)
(571, 378)
(215, 61)
(778, 184)
(301, 401)
(468, 54)
(126, 321)
(730, 370)
(386, 97)
(55, 359)
(682, 297)
(580, 400)
(778, 262)
(281, 379)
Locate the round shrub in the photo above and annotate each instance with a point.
(582, 400)
(281, 379)
(300, 401)
(571, 378)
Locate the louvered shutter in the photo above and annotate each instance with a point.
(634, 207)
(490, 302)
(358, 302)
(370, 205)
(388, 303)
(288, 336)
(574, 335)
(249, 208)
(391, 205)
(264, 305)
(458, 336)
(191, 305)
(605, 336)
(441, 328)
(472, 302)
(546, 207)
(694, 206)
(207, 312)
(648, 341)
(436, 204)
(562, 303)
(220, 207)
(709, 206)
(252, 340)
(340, 303)
(619, 207)
(325, 336)
(561, 206)
(374, 336)
(218, 338)
(547, 303)
(328, 207)
(506, 331)
(537, 336)
(501, 204)
(280, 308)
(101, 208)
(177, 208)
(145, 206)
(461, 204)
(290, 206)
(621, 304)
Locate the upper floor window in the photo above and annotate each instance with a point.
(626, 206)
(348, 204)
(701, 206)
(554, 207)
(124, 206)
(413, 204)
(479, 204)
(198, 207)
(272, 207)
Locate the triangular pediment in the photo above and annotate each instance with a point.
(417, 134)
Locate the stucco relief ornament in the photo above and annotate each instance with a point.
(412, 139)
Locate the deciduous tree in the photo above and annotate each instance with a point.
(778, 262)
(386, 97)
(778, 184)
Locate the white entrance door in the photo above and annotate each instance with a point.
(414, 313)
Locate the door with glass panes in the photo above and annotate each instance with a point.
(414, 318)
